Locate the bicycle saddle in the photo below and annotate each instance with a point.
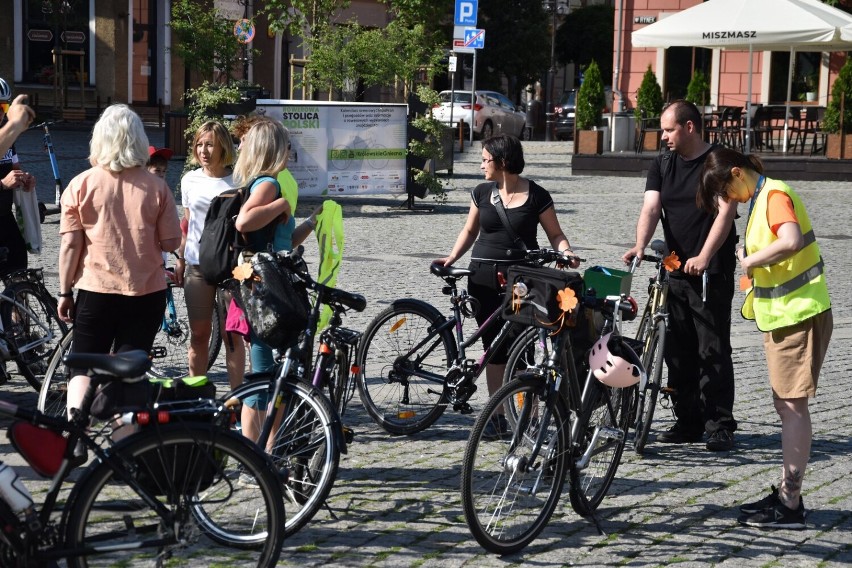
(444, 271)
(355, 301)
(129, 364)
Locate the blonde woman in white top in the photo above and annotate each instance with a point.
(213, 150)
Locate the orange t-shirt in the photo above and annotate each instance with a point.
(779, 210)
(123, 216)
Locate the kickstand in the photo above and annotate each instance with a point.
(592, 516)
(330, 512)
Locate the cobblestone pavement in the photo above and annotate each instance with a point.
(396, 500)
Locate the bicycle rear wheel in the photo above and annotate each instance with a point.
(390, 380)
(171, 344)
(652, 360)
(32, 343)
(606, 414)
(212, 483)
(508, 493)
(303, 443)
(53, 395)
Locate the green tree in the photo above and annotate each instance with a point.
(590, 98)
(649, 97)
(517, 45)
(585, 33)
(205, 40)
(306, 19)
(841, 90)
(698, 90)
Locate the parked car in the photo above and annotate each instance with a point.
(493, 114)
(564, 122)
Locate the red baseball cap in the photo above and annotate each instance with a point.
(164, 153)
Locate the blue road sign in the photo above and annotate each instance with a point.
(474, 38)
(466, 13)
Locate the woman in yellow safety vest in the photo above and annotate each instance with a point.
(788, 299)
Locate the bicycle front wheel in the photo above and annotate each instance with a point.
(511, 486)
(606, 416)
(652, 360)
(402, 362)
(32, 328)
(302, 443)
(53, 395)
(211, 483)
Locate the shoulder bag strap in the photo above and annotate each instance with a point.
(501, 212)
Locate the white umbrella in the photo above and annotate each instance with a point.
(767, 25)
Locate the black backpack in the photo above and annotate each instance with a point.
(221, 243)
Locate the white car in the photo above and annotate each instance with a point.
(493, 113)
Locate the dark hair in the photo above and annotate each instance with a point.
(507, 151)
(157, 161)
(685, 111)
(717, 174)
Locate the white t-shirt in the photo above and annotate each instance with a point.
(197, 191)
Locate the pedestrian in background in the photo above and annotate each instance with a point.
(698, 349)
(497, 246)
(789, 302)
(213, 151)
(117, 219)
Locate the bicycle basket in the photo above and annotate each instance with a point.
(275, 301)
(533, 297)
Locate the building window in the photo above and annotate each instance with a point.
(61, 24)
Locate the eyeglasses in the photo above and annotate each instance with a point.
(5, 107)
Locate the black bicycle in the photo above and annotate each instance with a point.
(171, 493)
(411, 365)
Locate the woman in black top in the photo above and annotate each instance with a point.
(11, 177)
(527, 206)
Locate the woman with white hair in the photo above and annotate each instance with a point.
(117, 220)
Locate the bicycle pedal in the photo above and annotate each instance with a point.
(463, 408)
(348, 434)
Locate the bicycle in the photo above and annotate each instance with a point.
(149, 498)
(289, 417)
(30, 328)
(563, 426)
(170, 351)
(653, 327)
(411, 365)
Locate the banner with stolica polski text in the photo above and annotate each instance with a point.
(343, 148)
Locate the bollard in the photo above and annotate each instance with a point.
(461, 135)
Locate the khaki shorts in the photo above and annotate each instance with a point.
(199, 296)
(795, 355)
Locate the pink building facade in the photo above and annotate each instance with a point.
(727, 71)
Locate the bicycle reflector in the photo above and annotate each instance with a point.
(144, 418)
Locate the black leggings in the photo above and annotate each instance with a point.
(102, 321)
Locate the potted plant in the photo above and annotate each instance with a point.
(590, 104)
(837, 122)
(698, 90)
(649, 107)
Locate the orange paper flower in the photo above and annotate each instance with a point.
(243, 272)
(567, 299)
(671, 262)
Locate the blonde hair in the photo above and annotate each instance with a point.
(264, 151)
(223, 141)
(118, 140)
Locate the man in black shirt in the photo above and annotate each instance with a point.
(698, 347)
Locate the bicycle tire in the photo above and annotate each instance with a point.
(21, 329)
(173, 336)
(652, 360)
(397, 400)
(53, 394)
(214, 483)
(606, 408)
(505, 508)
(304, 443)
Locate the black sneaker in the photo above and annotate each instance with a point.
(767, 502)
(776, 516)
(679, 434)
(721, 440)
(496, 429)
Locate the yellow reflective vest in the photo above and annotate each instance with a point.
(790, 291)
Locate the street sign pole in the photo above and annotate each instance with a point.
(473, 97)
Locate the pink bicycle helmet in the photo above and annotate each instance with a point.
(613, 363)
